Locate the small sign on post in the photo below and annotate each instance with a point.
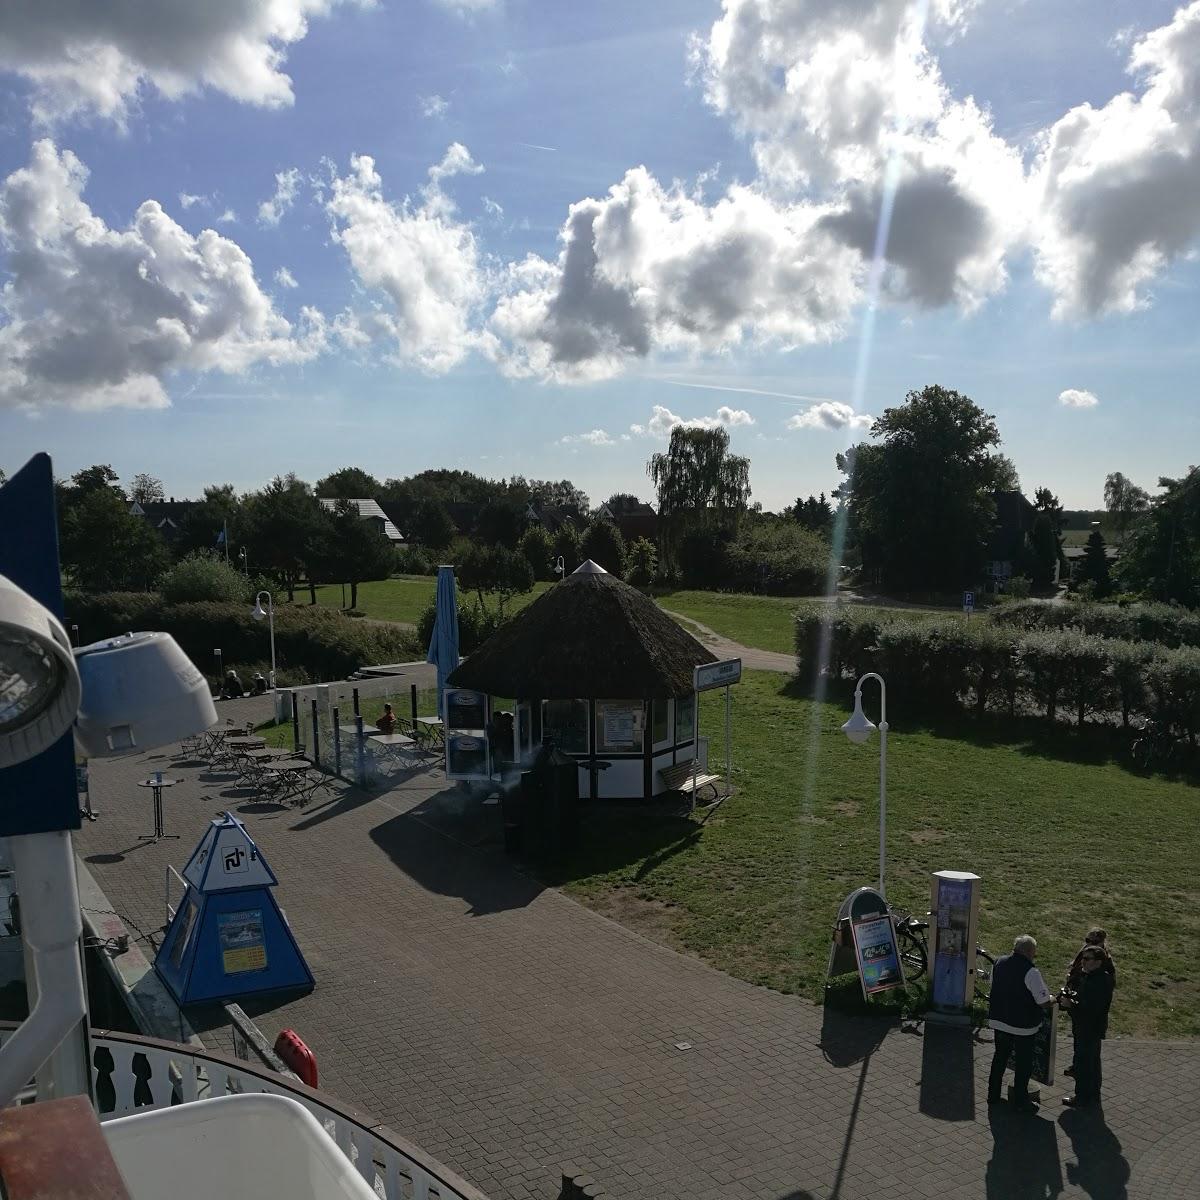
(968, 603)
(704, 679)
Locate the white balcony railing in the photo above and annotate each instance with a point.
(138, 1074)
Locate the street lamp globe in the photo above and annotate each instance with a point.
(858, 728)
(39, 682)
(258, 612)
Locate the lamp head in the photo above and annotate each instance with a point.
(39, 682)
(258, 612)
(858, 728)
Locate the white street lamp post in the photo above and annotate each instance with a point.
(858, 729)
(269, 612)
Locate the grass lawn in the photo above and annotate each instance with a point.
(402, 598)
(1063, 836)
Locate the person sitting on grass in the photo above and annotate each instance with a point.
(386, 723)
(232, 688)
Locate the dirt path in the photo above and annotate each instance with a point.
(723, 647)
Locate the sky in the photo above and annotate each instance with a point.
(528, 237)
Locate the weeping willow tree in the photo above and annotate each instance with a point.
(701, 486)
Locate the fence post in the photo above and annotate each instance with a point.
(295, 724)
(316, 746)
(356, 702)
(361, 757)
(412, 695)
(337, 745)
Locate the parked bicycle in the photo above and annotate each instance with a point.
(1155, 746)
(912, 939)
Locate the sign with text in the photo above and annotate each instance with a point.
(717, 675)
(968, 601)
(877, 954)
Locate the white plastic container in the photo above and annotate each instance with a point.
(250, 1147)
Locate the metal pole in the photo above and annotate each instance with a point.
(271, 621)
(337, 744)
(883, 732)
(295, 724)
(728, 743)
(316, 742)
(361, 754)
(412, 697)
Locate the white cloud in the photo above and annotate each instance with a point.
(492, 208)
(96, 317)
(594, 437)
(285, 278)
(97, 57)
(649, 269)
(433, 106)
(1077, 398)
(420, 259)
(830, 414)
(663, 420)
(188, 200)
(465, 7)
(287, 184)
(228, 217)
(1119, 186)
(839, 97)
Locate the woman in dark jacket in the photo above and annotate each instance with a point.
(1088, 1006)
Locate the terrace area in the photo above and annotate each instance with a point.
(508, 1031)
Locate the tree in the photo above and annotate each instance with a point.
(921, 498)
(566, 547)
(560, 494)
(283, 530)
(497, 570)
(350, 483)
(620, 502)
(641, 563)
(354, 552)
(213, 524)
(1161, 555)
(815, 513)
(603, 544)
(1044, 551)
(145, 489)
(1006, 478)
(1095, 564)
(430, 524)
(105, 548)
(699, 483)
(538, 548)
(501, 523)
(1124, 499)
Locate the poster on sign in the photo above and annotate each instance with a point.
(877, 954)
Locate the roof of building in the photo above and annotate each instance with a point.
(368, 510)
(591, 637)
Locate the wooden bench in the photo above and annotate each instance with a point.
(680, 778)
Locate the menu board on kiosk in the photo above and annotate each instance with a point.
(465, 709)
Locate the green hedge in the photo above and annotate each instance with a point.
(930, 664)
(1167, 624)
(317, 641)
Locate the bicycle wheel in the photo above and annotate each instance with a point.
(984, 963)
(913, 955)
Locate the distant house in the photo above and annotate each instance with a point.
(167, 516)
(552, 517)
(369, 511)
(634, 518)
(1014, 523)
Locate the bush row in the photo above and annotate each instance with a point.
(945, 661)
(475, 625)
(318, 641)
(1164, 623)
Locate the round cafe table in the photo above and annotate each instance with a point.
(156, 785)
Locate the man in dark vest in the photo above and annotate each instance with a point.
(1019, 996)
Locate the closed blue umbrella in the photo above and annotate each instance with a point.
(443, 645)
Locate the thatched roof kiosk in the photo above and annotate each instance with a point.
(601, 668)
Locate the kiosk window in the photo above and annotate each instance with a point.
(620, 726)
(566, 721)
(662, 722)
(685, 718)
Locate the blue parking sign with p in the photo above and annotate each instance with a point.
(968, 601)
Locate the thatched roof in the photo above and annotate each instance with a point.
(590, 636)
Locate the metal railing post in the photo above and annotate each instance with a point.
(412, 695)
(316, 727)
(295, 724)
(337, 745)
(362, 758)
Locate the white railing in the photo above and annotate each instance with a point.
(138, 1074)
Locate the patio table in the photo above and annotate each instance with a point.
(156, 785)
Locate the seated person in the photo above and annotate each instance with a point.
(232, 688)
(260, 684)
(386, 723)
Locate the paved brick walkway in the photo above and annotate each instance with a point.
(508, 1030)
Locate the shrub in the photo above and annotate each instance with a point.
(780, 560)
(202, 576)
(603, 544)
(475, 625)
(318, 641)
(641, 563)
(538, 548)
(1018, 588)
(413, 560)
